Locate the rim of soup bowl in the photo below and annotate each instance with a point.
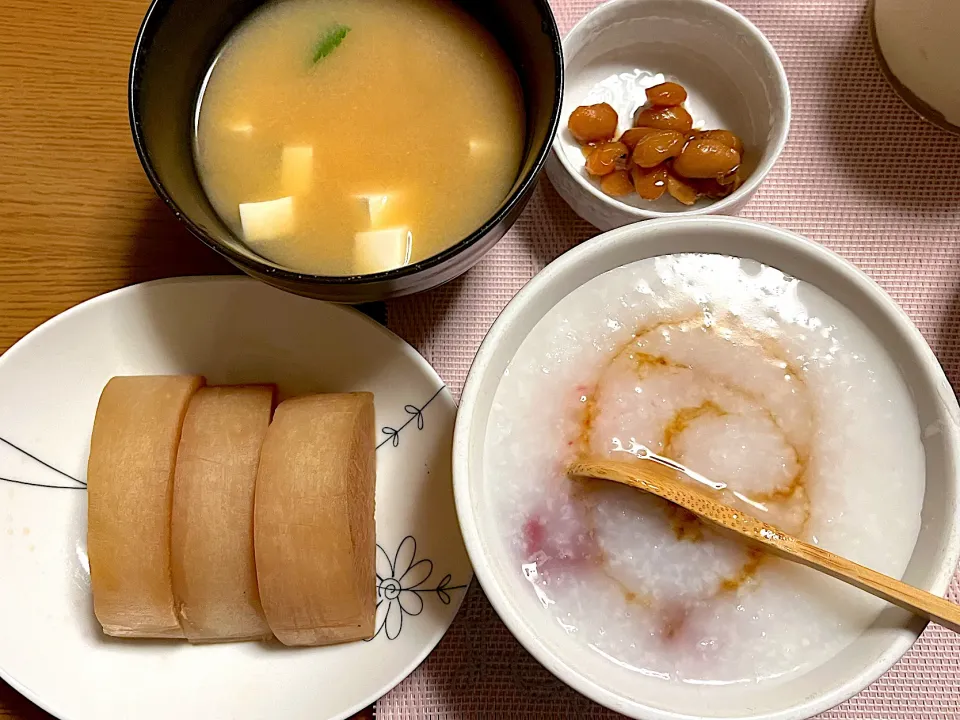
(525, 311)
(617, 8)
(256, 263)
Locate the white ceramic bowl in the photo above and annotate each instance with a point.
(733, 78)
(931, 566)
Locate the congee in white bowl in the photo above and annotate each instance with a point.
(760, 360)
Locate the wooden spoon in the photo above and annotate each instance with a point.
(659, 476)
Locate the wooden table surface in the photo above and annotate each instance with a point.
(77, 215)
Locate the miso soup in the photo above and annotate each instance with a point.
(343, 137)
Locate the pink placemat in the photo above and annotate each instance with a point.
(862, 175)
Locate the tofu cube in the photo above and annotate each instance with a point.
(268, 220)
(379, 250)
(242, 128)
(296, 169)
(479, 148)
(374, 207)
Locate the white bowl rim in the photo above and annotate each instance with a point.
(727, 204)
(464, 429)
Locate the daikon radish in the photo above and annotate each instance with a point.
(133, 451)
(211, 530)
(314, 529)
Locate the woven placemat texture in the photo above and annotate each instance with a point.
(862, 175)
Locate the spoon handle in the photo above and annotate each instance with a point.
(662, 481)
(920, 602)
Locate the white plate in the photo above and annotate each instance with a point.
(233, 330)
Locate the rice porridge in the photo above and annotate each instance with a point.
(748, 376)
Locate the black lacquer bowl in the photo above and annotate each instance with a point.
(176, 44)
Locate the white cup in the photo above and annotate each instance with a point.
(918, 44)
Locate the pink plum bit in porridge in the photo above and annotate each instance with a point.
(752, 378)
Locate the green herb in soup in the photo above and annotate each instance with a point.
(395, 145)
(329, 41)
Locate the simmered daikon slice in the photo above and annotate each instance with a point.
(211, 532)
(133, 451)
(314, 528)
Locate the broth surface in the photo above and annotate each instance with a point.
(394, 146)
